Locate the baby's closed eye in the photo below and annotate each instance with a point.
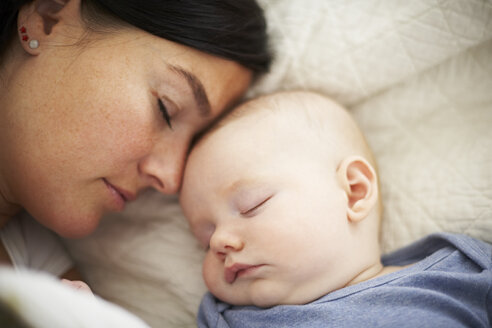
(252, 206)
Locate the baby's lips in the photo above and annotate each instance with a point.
(230, 273)
(230, 277)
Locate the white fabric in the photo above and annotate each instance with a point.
(417, 75)
(152, 266)
(44, 302)
(32, 246)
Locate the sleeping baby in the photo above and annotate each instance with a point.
(283, 193)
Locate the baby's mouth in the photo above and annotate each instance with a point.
(236, 270)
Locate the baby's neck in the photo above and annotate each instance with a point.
(374, 271)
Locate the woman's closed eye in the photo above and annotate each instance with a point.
(165, 113)
(253, 210)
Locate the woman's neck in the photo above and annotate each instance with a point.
(10, 61)
(9, 64)
(6, 215)
(7, 209)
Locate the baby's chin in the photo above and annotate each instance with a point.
(263, 298)
(263, 302)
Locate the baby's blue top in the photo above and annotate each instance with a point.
(448, 286)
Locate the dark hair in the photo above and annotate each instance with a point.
(8, 20)
(231, 29)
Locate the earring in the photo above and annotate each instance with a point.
(33, 44)
(23, 33)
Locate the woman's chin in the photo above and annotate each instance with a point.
(77, 228)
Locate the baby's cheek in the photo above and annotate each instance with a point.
(213, 273)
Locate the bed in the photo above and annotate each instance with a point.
(416, 75)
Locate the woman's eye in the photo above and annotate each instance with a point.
(165, 113)
(252, 211)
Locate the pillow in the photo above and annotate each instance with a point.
(417, 77)
(432, 138)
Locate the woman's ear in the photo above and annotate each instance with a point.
(359, 181)
(40, 22)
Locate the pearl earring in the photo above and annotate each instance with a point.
(33, 44)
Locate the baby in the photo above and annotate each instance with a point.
(283, 193)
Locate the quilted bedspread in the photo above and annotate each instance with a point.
(417, 76)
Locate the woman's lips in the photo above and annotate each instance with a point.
(127, 196)
(120, 196)
(237, 270)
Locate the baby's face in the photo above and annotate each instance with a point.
(269, 211)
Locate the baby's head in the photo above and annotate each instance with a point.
(284, 195)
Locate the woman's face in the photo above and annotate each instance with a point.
(89, 127)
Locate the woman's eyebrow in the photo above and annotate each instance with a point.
(197, 88)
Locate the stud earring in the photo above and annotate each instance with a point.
(33, 44)
(23, 33)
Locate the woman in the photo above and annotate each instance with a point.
(99, 99)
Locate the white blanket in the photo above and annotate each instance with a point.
(417, 75)
(41, 301)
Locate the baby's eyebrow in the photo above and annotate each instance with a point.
(238, 184)
(197, 88)
(246, 186)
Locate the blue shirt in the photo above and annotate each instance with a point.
(449, 285)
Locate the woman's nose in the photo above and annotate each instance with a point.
(163, 168)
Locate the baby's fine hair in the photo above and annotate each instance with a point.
(325, 123)
(316, 113)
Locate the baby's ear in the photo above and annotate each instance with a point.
(359, 180)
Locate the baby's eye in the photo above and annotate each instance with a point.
(251, 211)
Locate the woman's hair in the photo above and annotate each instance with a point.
(231, 29)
